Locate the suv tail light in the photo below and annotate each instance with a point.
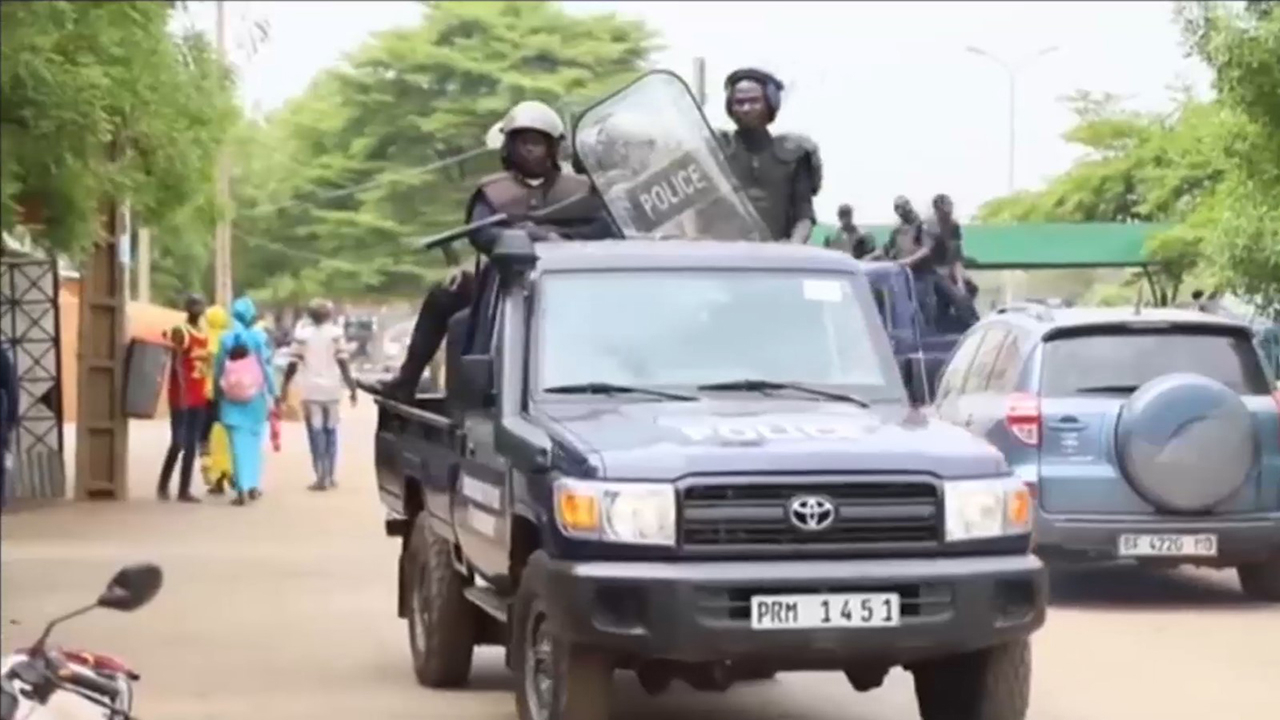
(1022, 415)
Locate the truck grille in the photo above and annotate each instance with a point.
(867, 513)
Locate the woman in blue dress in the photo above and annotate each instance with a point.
(246, 421)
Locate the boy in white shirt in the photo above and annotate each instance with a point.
(318, 357)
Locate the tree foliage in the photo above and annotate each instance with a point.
(1212, 168)
(331, 187)
(102, 99)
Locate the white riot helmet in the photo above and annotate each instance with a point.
(534, 115)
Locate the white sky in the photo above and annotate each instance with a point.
(886, 88)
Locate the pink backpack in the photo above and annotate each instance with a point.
(242, 378)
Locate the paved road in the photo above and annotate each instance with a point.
(285, 610)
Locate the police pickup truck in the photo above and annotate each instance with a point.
(697, 461)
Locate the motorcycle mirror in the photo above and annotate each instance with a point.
(132, 587)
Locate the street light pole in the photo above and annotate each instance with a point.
(1012, 70)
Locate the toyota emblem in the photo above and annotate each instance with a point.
(811, 512)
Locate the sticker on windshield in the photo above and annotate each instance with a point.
(823, 290)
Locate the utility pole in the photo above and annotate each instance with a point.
(222, 232)
(1012, 70)
(143, 261)
(700, 80)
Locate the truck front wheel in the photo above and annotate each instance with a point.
(555, 679)
(990, 684)
(442, 623)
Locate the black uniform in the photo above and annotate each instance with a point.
(780, 175)
(948, 241)
(499, 193)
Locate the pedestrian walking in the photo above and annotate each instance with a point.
(187, 402)
(319, 359)
(246, 392)
(216, 463)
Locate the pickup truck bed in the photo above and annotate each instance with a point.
(416, 440)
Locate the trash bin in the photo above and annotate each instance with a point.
(146, 363)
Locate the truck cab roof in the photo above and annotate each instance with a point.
(689, 254)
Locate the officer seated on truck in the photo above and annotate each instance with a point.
(531, 184)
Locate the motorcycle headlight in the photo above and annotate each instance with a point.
(634, 513)
(986, 508)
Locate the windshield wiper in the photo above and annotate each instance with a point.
(756, 385)
(1108, 389)
(604, 388)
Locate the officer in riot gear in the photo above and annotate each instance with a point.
(954, 289)
(531, 182)
(780, 173)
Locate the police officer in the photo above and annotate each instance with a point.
(780, 174)
(848, 238)
(531, 181)
(951, 284)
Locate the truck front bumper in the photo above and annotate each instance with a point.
(700, 611)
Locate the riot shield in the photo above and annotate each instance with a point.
(659, 166)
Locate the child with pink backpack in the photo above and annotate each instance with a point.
(246, 393)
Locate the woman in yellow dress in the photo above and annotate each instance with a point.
(216, 465)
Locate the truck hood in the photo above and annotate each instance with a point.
(668, 440)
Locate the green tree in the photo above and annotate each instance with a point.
(101, 99)
(363, 161)
(1138, 167)
(1242, 47)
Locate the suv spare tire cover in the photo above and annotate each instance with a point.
(1186, 442)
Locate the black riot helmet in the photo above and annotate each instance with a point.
(773, 88)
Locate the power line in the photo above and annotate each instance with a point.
(407, 173)
(319, 257)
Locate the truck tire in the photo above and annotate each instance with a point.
(443, 625)
(1261, 580)
(990, 684)
(555, 680)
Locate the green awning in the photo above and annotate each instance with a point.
(1041, 245)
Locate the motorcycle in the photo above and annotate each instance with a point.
(44, 682)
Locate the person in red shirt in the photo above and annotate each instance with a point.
(188, 402)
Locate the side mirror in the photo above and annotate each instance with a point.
(475, 381)
(132, 587)
(513, 256)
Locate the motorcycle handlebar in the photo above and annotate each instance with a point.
(86, 679)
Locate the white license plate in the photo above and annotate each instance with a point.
(1204, 545)
(842, 610)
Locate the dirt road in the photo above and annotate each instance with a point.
(286, 611)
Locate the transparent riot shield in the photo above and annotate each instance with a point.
(659, 166)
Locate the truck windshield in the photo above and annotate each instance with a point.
(681, 329)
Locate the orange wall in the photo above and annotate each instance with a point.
(145, 320)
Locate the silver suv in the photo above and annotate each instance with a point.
(1150, 435)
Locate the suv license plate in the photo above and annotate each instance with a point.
(1205, 545)
(836, 610)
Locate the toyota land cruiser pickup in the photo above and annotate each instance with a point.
(697, 461)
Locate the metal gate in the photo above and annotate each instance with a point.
(30, 331)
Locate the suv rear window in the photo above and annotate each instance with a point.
(1121, 361)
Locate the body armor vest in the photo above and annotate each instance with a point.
(768, 177)
(511, 195)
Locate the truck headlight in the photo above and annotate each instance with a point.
(977, 509)
(635, 513)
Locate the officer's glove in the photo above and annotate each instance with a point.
(455, 278)
(541, 234)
